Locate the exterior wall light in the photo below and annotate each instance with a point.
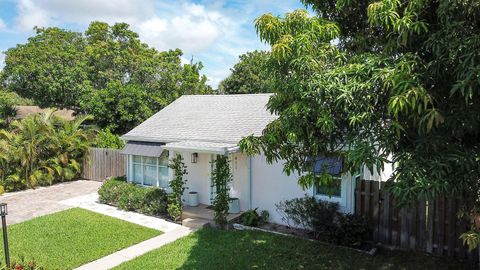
(3, 214)
(194, 157)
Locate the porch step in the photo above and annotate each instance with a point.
(195, 223)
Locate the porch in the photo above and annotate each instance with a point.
(202, 215)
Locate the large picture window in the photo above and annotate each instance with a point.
(150, 171)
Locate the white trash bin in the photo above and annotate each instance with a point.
(234, 206)
(193, 198)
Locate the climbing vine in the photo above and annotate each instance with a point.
(177, 186)
(221, 177)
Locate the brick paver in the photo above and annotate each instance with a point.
(24, 205)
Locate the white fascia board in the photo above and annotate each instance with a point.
(217, 151)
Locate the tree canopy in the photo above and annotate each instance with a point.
(378, 83)
(106, 72)
(249, 75)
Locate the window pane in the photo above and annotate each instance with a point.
(137, 159)
(150, 175)
(163, 172)
(150, 160)
(137, 174)
(334, 189)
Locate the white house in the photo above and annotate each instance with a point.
(200, 127)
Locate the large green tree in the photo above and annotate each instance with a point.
(49, 69)
(249, 75)
(106, 72)
(378, 82)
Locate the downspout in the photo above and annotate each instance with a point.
(250, 182)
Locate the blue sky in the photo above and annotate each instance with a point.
(214, 32)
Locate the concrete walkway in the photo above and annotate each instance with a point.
(171, 231)
(134, 251)
(90, 202)
(24, 205)
(28, 204)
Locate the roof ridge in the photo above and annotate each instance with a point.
(229, 95)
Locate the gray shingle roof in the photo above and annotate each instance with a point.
(208, 118)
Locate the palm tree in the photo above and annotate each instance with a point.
(31, 142)
(73, 143)
(43, 149)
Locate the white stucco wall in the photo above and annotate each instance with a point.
(198, 177)
(270, 186)
(239, 187)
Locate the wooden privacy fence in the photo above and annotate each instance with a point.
(430, 226)
(102, 163)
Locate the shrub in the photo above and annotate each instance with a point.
(42, 150)
(22, 265)
(131, 197)
(106, 139)
(252, 218)
(325, 220)
(307, 213)
(352, 230)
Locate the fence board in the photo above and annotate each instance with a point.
(429, 226)
(103, 163)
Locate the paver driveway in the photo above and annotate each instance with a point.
(24, 205)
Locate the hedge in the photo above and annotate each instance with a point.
(131, 197)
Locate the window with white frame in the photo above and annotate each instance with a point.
(150, 171)
(333, 189)
(333, 167)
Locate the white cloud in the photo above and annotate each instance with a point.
(31, 15)
(2, 24)
(214, 32)
(191, 28)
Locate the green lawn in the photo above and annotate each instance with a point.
(213, 249)
(71, 238)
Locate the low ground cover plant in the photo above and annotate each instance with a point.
(128, 196)
(22, 265)
(253, 218)
(325, 220)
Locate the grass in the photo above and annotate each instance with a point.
(73, 237)
(213, 249)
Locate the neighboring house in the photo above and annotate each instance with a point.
(24, 111)
(200, 127)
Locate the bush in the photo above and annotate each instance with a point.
(42, 150)
(325, 220)
(352, 230)
(131, 197)
(252, 218)
(308, 213)
(106, 139)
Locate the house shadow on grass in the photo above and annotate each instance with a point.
(216, 249)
